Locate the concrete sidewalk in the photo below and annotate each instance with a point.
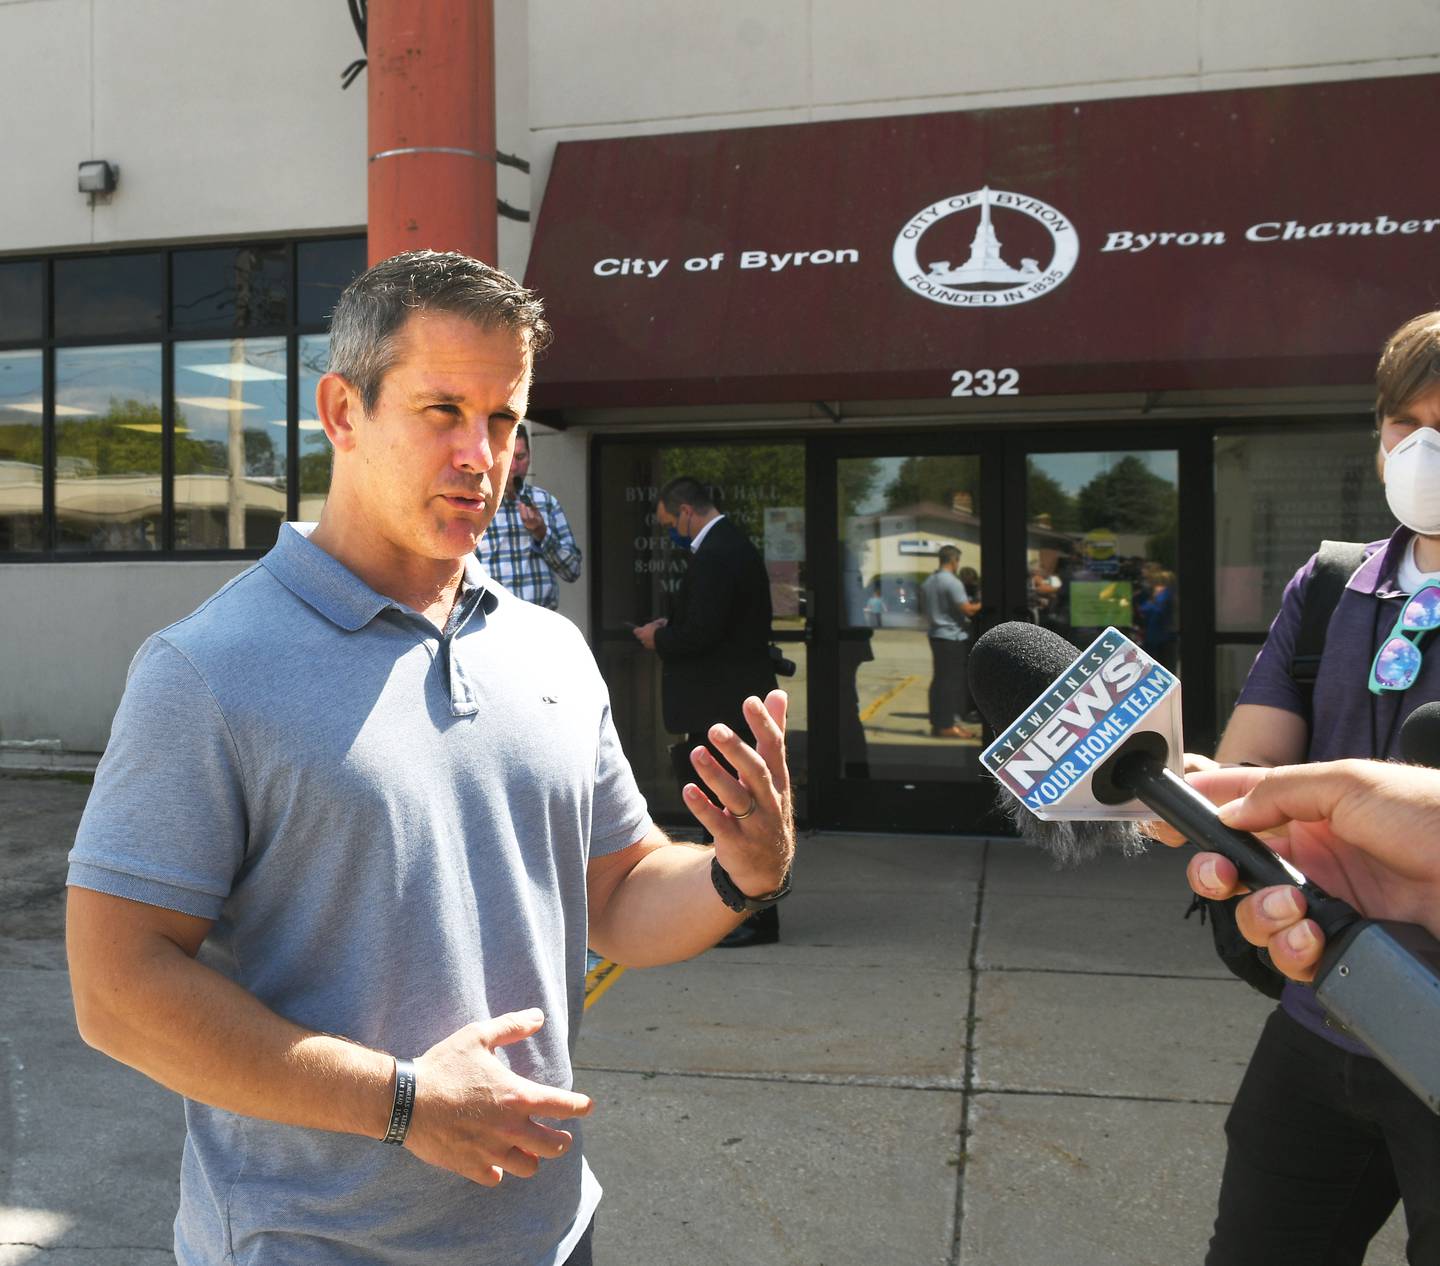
(956, 1055)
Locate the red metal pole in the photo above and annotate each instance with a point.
(431, 76)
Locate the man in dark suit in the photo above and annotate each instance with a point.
(715, 647)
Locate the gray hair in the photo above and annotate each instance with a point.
(375, 306)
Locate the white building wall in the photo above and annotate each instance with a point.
(69, 632)
(226, 120)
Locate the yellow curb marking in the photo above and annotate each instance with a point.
(599, 978)
(886, 697)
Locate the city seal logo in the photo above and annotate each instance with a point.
(985, 280)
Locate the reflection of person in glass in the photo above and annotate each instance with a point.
(875, 607)
(1044, 591)
(947, 609)
(1156, 612)
(862, 615)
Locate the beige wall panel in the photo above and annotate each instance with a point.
(71, 630)
(867, 52)
(45, 132)
(630, 60)
(561, 464)
(227, 119)
(1238, 35)
(512, 127)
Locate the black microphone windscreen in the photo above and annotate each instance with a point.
(1013, 665)
(1420, 736)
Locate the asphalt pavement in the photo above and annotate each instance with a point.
(957, 1056)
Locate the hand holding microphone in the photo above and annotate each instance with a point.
(1092, 735)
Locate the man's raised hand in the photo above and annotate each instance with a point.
(754, 824)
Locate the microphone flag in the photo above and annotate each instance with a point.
(1048, 756)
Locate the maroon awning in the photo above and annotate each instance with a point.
(1259, 238)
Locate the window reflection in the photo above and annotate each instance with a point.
(905, 712)
(762, 488)
(107, 448)
(1101, 546)
(22, 451)
(230, 448)
(229, 288)
(103, 295)
(1268, 522)
(21, 300)
(325, 269)
(315, 451)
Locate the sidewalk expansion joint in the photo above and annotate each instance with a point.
(840, 1081)
(977, 918)
(1083, 971)
(1023, 1093)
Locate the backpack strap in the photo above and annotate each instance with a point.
(1334, 565)
(1336, 562)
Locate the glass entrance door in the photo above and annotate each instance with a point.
(920, 546)
(908, 531)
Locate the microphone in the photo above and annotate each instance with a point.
(1420, 736)
(1380, 980)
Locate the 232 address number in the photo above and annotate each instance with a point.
(985, 382)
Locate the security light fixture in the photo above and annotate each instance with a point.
(98, 176)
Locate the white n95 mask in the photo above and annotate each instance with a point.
(1412, 481)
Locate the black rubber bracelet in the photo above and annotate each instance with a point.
(404, 1107)
(731, 895)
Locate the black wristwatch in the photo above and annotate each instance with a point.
(737, 900)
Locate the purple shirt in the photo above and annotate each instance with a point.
(1348, 719)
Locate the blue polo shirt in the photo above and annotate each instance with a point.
(389, 827)
(1346, 720)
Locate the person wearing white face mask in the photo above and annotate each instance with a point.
(1323, 1141)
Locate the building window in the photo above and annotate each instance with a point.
(22, 451)
(1268, 522)
(181, 419)
(230, 288)
(324, 269)
(315, 451)
(230, 443)
(108, 430)
(22, 302)
(105, 296)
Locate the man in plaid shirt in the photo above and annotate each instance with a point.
(529, 542)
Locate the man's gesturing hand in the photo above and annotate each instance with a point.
(475, 1117)
(754, 824)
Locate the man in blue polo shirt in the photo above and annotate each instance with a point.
(360, 814)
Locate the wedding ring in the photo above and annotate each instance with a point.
(739, 816)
